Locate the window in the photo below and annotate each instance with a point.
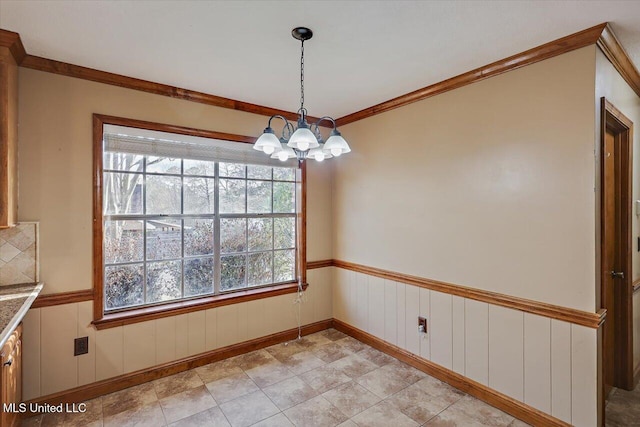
(187, 217)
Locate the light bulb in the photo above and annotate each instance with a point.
(268, 149)
(303, 145)
(336, 151)
(282, 155)
(320, 156)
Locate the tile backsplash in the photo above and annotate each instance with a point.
(19, 254)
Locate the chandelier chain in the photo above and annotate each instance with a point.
(302, 75)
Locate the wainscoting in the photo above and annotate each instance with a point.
(528, 357)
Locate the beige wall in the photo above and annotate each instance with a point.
(612, 86)
(489, 186)
(55, 176)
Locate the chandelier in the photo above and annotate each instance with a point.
(301, 141)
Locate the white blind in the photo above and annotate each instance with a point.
(164, 144)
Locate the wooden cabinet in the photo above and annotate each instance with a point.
(8, 139)
(11, 378)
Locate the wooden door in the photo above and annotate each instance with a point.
(610, 235)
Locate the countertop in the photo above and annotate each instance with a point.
(15, 301)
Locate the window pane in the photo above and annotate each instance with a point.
(199, 195)
(232, 196)
(122, 193)
(284, 264)
(198, 237)
(260, 266)
(164, 280)
(284, 174)
(233, 236)
(122, 162)
(123, 286)
(233, 272)
(258, 172)
(198, 276)
(199, 167)
(123, 241)
(260, 234)
(284, 197)
(164, 239)
(163, 194)
(259, 196)
(285, 233)
(163, 165)
(232, 170)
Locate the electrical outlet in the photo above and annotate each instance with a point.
(80, 346)
(422, 325)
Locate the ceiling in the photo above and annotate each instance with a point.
(362, 52)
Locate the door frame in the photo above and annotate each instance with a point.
(622, 128)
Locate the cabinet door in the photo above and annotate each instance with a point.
(11, 387)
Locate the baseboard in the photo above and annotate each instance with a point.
(100, 388)
(501, 401)
(636, 377)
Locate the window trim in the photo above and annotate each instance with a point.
(172, 308)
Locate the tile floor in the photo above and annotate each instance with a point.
(325, 379)
(623, 408)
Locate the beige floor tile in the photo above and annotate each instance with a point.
(375, 356)
(271, 373)
(302, 362)
(149, 415)
(254, 359)
(249, 409)
(289, 392)
(405, 372)
(481, 412)
(437, 388)
(53, 419)
(351, 398)
(177, 383)
(314, 341)
(417, 404)
(353, 366)
(129, 398)
(278, 420)
(452, 419)
(285, 350)
(352, 344)
(332, 334)
(348, 423)
(91, 416)
(383, 415)
(35, 421)
(187, 403)
(232, 387)
(382, 383)
(218, 370)
(210, 418)
(324, 378)
(331, 352)
(316, 412)
(518, 423)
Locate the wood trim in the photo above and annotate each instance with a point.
(501, 401)
(301, 175)
(62, 298)
(12, 40)
(100, 388)
(98, 259)
(578, 317)
(636, 286)
(615, 53)
(181, 307)
(528, 57)
(77, 71)
(319, 264)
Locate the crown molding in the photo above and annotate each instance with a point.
(615, 53)
(12, 41)
(548, 50)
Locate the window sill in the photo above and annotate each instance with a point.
(181, 307)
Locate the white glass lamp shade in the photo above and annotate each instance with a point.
(336, 144)
(319, 154)
(303, 139)
(285, 153)
(268, 142)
